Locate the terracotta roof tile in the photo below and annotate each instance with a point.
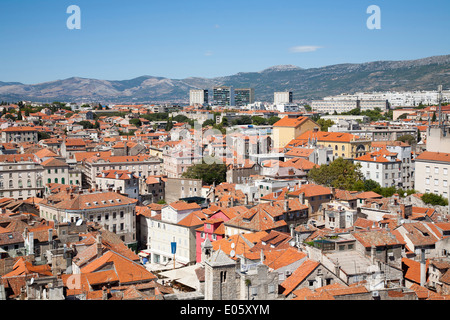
(298, 276)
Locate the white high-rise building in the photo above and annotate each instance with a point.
(282, 97)
(198, 97)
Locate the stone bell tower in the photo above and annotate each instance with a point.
(221, 280)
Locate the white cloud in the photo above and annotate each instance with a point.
(208, 53)
(297, 49)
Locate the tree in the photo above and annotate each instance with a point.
(169, 124)
(325, 124)
(242, 120)
(257, 120)
(86, 124)
(224, 122)
(181, 118)
(371, 185)
(43, 135)
(272, 120)
(340, 174)
(208, 173)
(434, 199)
(136, 121)
(407, 138)
(209, 122)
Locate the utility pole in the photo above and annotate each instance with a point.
(440, 105)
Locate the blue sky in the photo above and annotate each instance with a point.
(125, 39)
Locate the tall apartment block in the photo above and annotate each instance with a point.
(282, 97)
(223, 96)
(244, 96)
(198, 97)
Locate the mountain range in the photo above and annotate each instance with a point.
(306, 84)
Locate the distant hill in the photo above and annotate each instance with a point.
(312, 83)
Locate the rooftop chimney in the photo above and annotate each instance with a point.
(286, 205)
(50, 236)
(372, 254)
(301, 197)
(99, 245)
(423, 269)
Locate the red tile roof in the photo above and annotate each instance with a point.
(127, 271)
(95, 200)
(434, 156)
(311, 190)
(182, 205)
(376, 238)
(291, 122)
(298, 276)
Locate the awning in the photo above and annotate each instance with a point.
(143, 254)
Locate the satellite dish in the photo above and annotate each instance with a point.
(79, 222)
(31, 281)
(232, 253)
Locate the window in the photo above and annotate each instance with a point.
(436, 182)
(427, 169)
(436, 170)
(445, 171)
(427, 181)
